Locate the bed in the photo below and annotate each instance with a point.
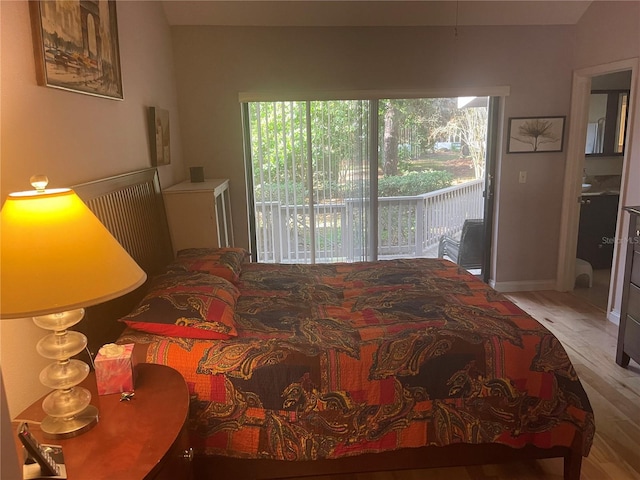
(322, 369)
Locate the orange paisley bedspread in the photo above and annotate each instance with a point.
(335, 360)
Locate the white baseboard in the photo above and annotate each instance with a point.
(614, 317)
(524, 285)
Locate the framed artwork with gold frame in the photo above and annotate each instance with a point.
(76, 46)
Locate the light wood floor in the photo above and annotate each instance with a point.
(598, 293)
(614, 392)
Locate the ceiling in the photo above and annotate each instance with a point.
(373, 13)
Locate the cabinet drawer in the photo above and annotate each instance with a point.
(632, 339)
(635, 269)
(636, 236)
(633, 307)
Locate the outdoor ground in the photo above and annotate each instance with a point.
(460, 167)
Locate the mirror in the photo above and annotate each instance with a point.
(606, 127)
(621, 122)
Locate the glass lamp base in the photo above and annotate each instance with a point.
(57, 427)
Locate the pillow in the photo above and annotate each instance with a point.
(222, 262)
(189, 305)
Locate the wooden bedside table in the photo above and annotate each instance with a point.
(144, 438)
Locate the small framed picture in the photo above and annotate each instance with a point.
(535, 134)
(159, 136)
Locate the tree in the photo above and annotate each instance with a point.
(421, 114)
(390, 141)
(470, 125)
(536, 132)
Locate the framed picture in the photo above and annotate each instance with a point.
(535, 134)
(76, 46)
(159, 136)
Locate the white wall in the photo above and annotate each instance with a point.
(74, 138)
(10, 466)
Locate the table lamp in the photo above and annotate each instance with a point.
(56, 258)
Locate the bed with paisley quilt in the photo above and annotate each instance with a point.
(350, 367)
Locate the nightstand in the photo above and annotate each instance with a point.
(144, 438)
(199, 214)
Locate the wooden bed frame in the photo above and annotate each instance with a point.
(131, 207)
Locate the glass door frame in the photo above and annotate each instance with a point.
(493, 126)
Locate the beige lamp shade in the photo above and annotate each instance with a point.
(56, 255)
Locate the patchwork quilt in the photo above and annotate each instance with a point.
(335, 360)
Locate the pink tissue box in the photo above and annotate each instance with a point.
(115, 369)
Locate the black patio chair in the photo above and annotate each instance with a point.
(467, 252)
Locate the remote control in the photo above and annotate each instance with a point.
(36, 451)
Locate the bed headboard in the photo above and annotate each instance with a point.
(131, 207)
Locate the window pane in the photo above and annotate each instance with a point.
(310, 173)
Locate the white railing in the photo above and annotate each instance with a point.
(408, 226)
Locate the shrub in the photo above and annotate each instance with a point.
(413, 183)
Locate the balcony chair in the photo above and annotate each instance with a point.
(468, 251)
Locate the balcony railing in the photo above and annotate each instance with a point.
(408, 226)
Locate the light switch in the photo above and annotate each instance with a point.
(523, 177)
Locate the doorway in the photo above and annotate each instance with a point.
(601, 183)
(594, 172)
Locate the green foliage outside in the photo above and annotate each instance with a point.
(410, 184)
(339, 146)
(279, 139)
(414, 183)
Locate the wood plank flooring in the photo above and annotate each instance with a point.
(614, 392)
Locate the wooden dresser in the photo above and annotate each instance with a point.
(629, 330)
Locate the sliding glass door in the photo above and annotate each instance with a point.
(350, 180)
